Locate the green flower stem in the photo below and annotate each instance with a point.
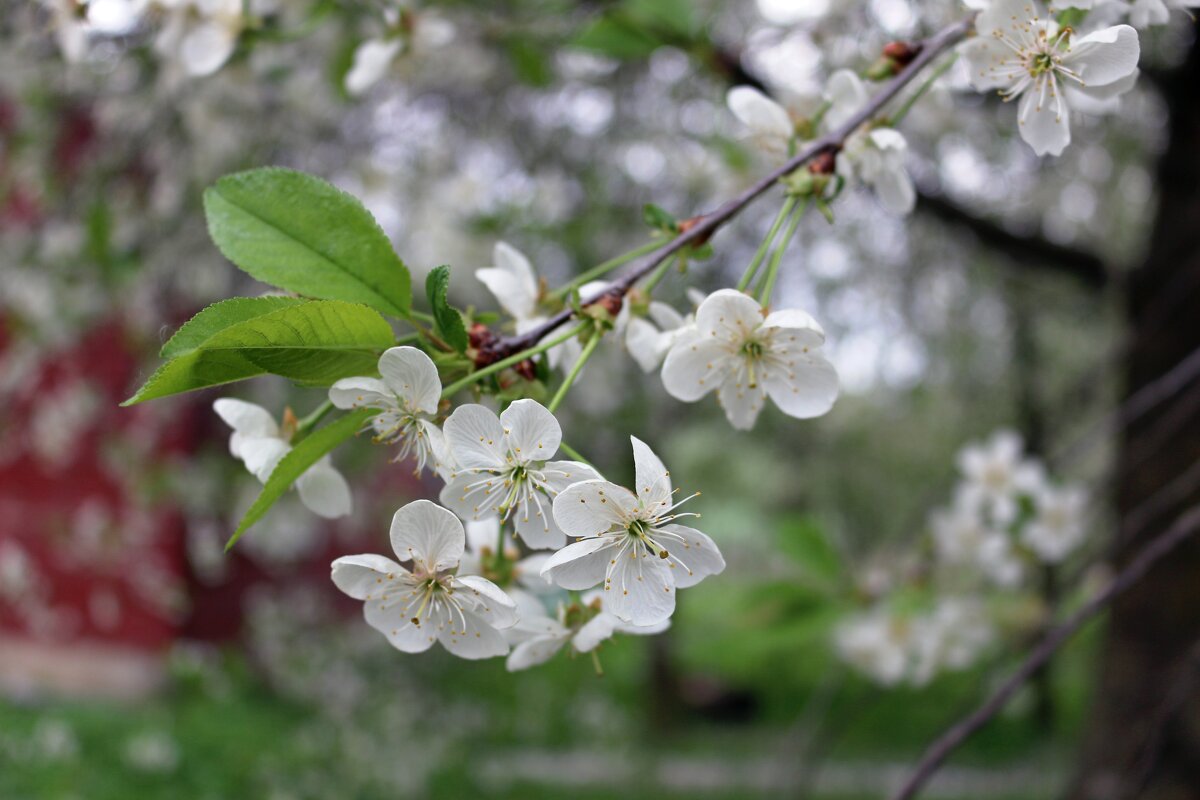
(422, 316)
(755, 262)
(603, 269)
(306, 425)
(936, 73)
(512, 360)
(768, 280)
(588, 349)
(408, 338)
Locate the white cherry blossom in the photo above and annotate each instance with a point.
(997, 473)
(875, 643)
(771, 126)
(372, 60)
(407, 396)
(585, 625)
(503, 468)
(1058, 526)
(261, 443)
(630, 541)
(1026, 56)
(951, 637)
(200, 35)
(1144, 13)
(414, 606)
(745, 356)
(522, 581)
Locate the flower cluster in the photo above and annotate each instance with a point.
(1005, 519)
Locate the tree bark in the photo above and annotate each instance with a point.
(1144, 738)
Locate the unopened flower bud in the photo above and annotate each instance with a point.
(527, 369)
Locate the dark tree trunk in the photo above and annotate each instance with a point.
(1144, 739)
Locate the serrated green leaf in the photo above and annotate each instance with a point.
(315, 343)
(447, 318)
(306, 453)
(219, 316)
(299, 233)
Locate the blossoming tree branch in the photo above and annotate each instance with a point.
(529, 550)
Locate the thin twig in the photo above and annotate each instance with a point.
(708, 224)
(937, 753)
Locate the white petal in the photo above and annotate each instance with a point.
(359, 393)
(261, 456)
(895, 190)
(528, 573)
(426, 533)
(324, 491)
(846, 94)
(470, 636)
(652, 481)
(800, 326)
(470, 501)
(665, 316)
(581, 565)
(475, 438)
(806, 387)
(561, 474)
(390, 615)
(1042, 126)
(643, 630)
(487, 599)
(246, 418)
(206, 47)
(640, 588)
(645, 343)
(483, 534)
(760, 113)
(412, 377)
(589, 508)
(372, 59)
(533, 652)
(596, 630)
(534, 522)
(986, 60)
(362, 575)
(697, 555)
(740, 401)
(695, 366)
(1100, 99)
(1004, 16)
(532, 432)
(1104, 56)
(512, 281)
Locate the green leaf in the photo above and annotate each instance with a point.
(659, 219)
(617, 39)
(449, 321)
(299, 233)
(219, 316)
(530, 61)
(806, 542)
(671, 16)
(308, 452)
(314, 343)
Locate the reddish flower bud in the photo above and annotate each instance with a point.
(901, 52)
(691, 222)
(527, 369)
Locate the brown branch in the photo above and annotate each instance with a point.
(708, 224)
(937, 753)
(1023, 250)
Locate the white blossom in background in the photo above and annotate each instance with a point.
(745, 356)
(586, 625)
(1058, 526)
(428, 602)
(1026, 56)
(874, 156)
(200, 35)
(407, 396)
(503, 468)
(770, 125)
(260, 443)
(526, 584)
(949, 638)
(875, 643)
(996, 473)
(630, 541)
(413, 34)
(1144, 13)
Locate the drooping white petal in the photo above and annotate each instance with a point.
(694, 555)
(665, 316)
(532, 432)
(245, 418)
(470, 636)
(598, 629)
(512, 281)
(590, 508)
(362, 576)
(360, 392)
(760, 113)
(412, 376)
(640, 588)
(534, 651)
(427, 534)
(324, 490)
(581, 565)
(652, 481)
(261, 456)
(646, 343)
(740, 401)
(1042, 126)
(475, 438)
